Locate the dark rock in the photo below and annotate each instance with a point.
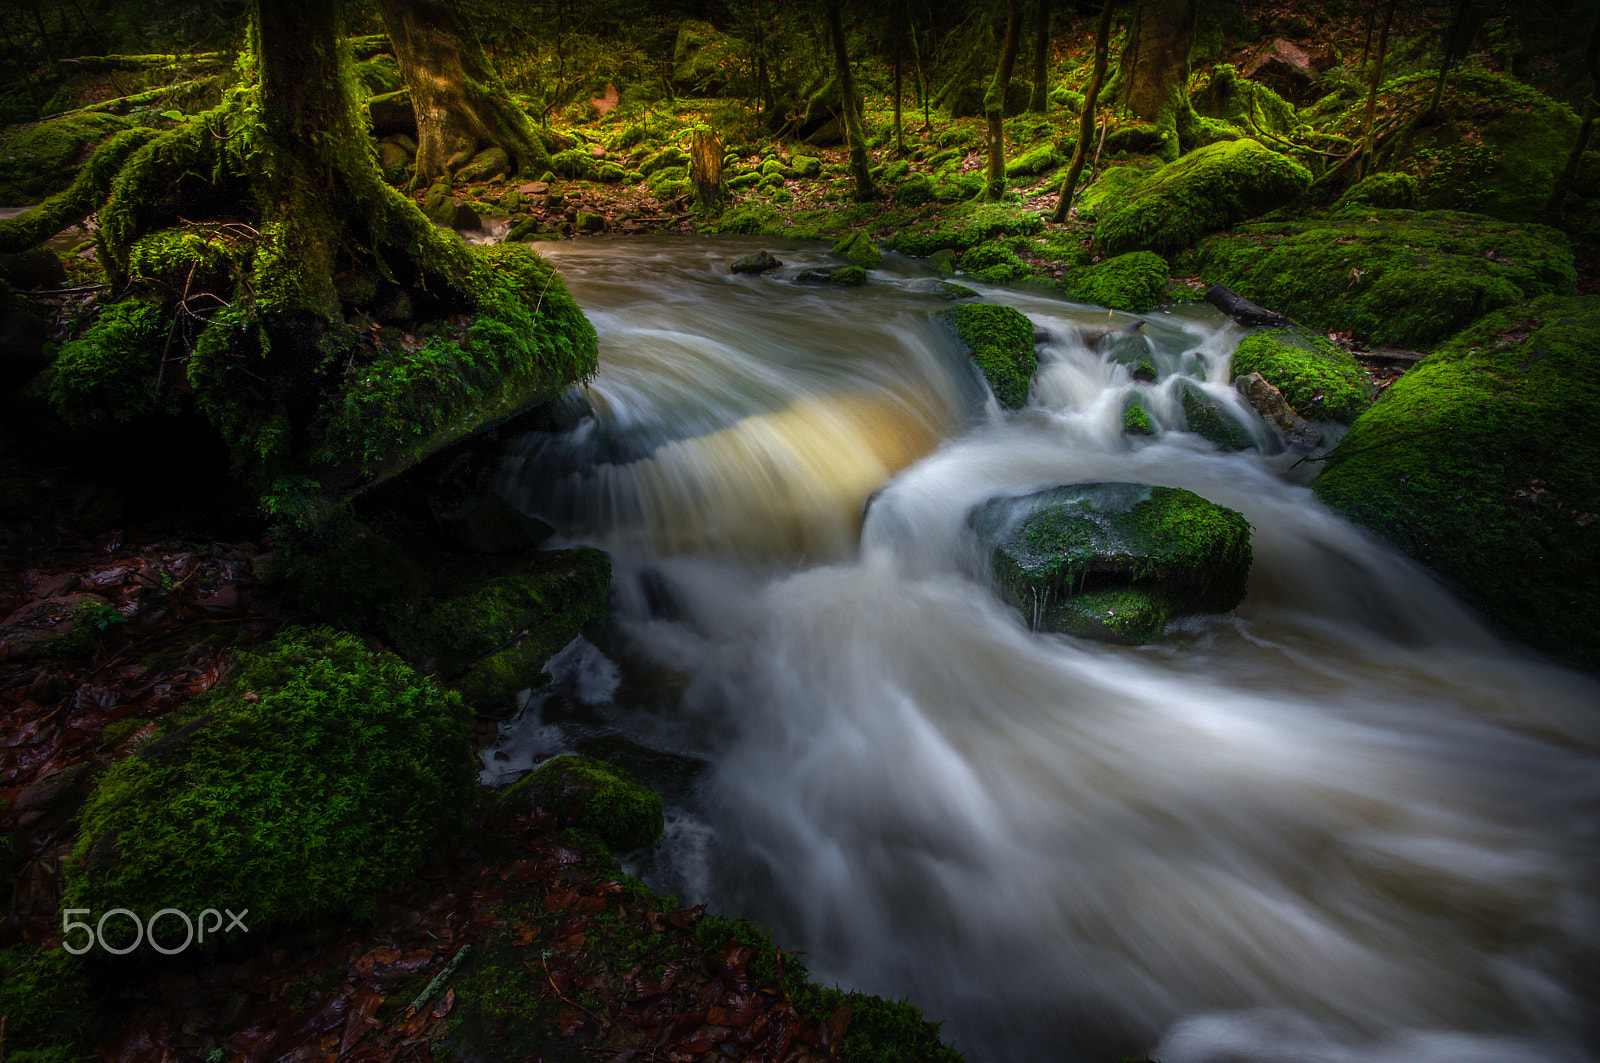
(484, 166)
(953, 291)
(760, 262)
(589, 223)
(1114, 561)
(1209, 419)
(1286, 69)
(605, 799)
(814, 276)
(848, 276)
(37, 267)
(1129, 347)
(859, 248)
(492, 525)
(464, 219)
(392, 113)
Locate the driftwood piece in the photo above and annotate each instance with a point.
(1243, 310)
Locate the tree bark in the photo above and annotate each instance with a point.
(859, 166)
(1569, 173)
(1372, 90)
(1041, 59)
(899, 32)
(994, 102)
(1102, 45)
(462, 105)
(1454, 45)
(1158, 82)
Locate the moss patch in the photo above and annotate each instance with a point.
(1404, 278)
(859, 248)
(40, 160)
(1114, 560)
(316, 776)
(1135, 282)
(1322, 382)
(1211, 420)
(494, 640)
(1482, 464)
(43, 996)
(606, 800)
(1206, 190)
(1000, 341)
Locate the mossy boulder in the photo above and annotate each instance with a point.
(493, 640)
(1110, 190)
(317, 776)
(999, 340)
(1041, 159)
(1320, 381)
(486, 165)
(1113, 561)
(995, 263)
(1135, 282)
(1385, 191)
(605, 799)
(1397, 277)
(1136, 420)
(1482, 463)
(859, 248)
(1208, 189)
(107, 376)
(668, 157)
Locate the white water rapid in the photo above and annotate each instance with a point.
(1345, 824)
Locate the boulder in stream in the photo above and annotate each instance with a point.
(1000, 340)
(1113, 561)
(606, 799)
(760, 262)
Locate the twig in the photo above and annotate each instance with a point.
(438, 981)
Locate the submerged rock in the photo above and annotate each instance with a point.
(1482, 463)
(760, 262)
(1113, 561)
(1000, 340)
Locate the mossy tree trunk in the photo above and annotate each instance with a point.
(859, 165)
(1158, 75)
(1102, 46)
(994, 103)
(1041, 59)
(462, 105)
(899, 32)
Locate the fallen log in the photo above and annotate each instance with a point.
(1243, 310)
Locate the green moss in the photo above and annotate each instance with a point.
(109, 375)
(606, 800)
(1322, 382)
(848, 276)
(859, 248)
(315, 777)
(40, 160)
(1000, 340)
(1208, 189)
(1136, 420)
(995, 263)
(88, 190)
(668, 158)
(183, 262)
(1137, 553)
(493, 640)
(808, 167)
(1386, 191)
(1135, 282)
(1110, 190)
(44, 994)
(1248, 104)
(1211, 420)
(1041, 159)
(1482, 464)
(575, 163)
(1403, 278)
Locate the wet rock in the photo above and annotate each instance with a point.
(859, 248)
(1129, 347)
(605, 799)
(760, 262)
(489, 524)
(848, 276)
(58, 795)
(393, 160)
(463, 218)
(999, 340)
(1113, 561)
(944, 260)
(1275, 409)
(953, 291)
(589, 223)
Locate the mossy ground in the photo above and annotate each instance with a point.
(607, 800)
(1481, 464)
(1322, 382)
(1000, 340)
(317, 776)
(1396, 277)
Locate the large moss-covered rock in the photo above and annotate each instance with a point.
(1135, 282)
(40, 160)
(493, 640)
(1000, 340)
(607, 800)
(1211, 419)
(1114, 561)
(1482, 463)
(1208, 189)
(1320, 381)
(1398, 277)
(314, 778)
(859, 248)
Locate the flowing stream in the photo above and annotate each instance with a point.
(1346, 823)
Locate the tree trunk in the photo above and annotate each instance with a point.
(859, 166)
(1158, 85)
(899, 33)
(1041, 59)
(462, 105)
(705, 170)
(994, 102)
(1569, 173)
(1454, 45)
(1102, 45)
(1372, 90)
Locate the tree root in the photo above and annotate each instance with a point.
(88, 192)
